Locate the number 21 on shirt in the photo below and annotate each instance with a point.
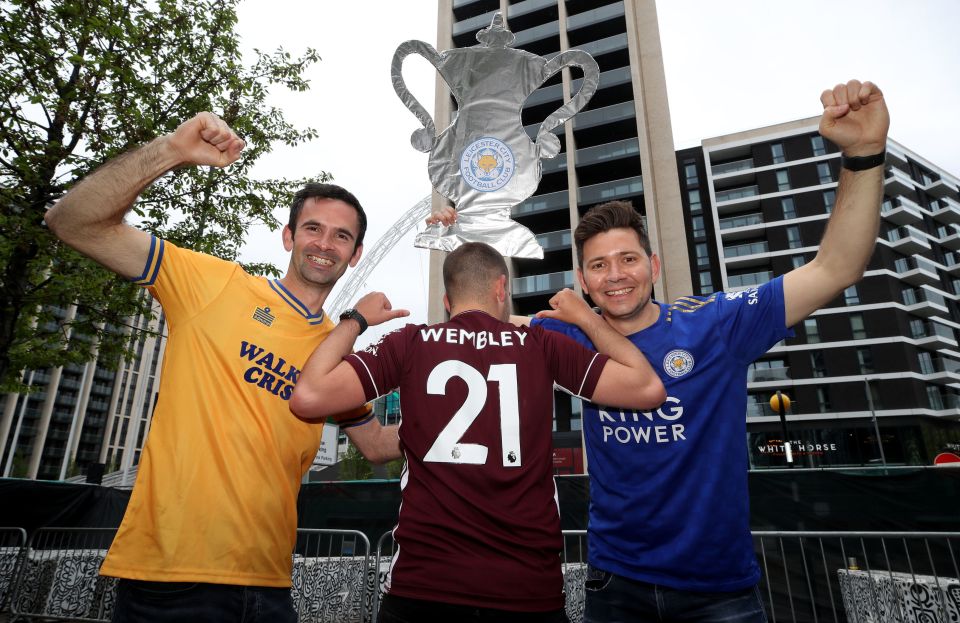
(447, 447)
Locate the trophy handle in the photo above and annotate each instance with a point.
(549, 144)
(424, 138)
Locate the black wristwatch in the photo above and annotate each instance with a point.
(862, 163)
(352, 313)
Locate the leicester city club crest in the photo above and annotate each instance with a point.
(677, 363)
(487, 164)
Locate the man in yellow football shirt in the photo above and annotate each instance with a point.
(211, 523)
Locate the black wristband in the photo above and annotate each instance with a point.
(862, 163)
(352, 313)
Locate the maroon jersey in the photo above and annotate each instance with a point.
(479, 523)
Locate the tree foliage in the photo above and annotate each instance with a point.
(354, 466)
(84, 80)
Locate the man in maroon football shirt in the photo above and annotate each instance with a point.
(479, 529)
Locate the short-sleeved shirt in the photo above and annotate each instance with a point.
(216, 493)
(479, 523)
(669, 502)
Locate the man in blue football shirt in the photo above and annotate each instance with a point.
(669, 529)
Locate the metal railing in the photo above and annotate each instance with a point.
(807, 577)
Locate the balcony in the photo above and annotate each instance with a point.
(607, 191)
(731, 167)
(473, 24)
(749, 280)
(951, 239)
(559, 200)
(537, 33)
(601, 116)
(606, 153)
(949, 212)
(924, 302)
(746, 255)
(941, 370)
(548, 283)
(934, 335)
(767, 375)
(898, 182)
(940, 188)
(555, 240)
(902, 212)
(908, 240)
(736, 199)
(740, 227)
(917, 271)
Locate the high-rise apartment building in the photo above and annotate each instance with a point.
(77, 416)
(883, 356)
(619, 147)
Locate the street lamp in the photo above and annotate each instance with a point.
(873, 416)
(780, 402)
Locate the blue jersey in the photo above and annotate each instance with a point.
(669, 502)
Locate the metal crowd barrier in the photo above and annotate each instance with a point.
(333, 578)
(808, 577)
(860, 577)
(12, 542)
(59, 576)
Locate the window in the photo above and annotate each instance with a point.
(909, 296)
(934, 397)
(706, 282)
(789, 209)
(690, 171)
(829, 199)
(851, 296)
(819, 148)
(776, 150)
(793, 237)
(917, 328)
(823, 170)
(856, 325)
(695, 205)
(865, 360)
(817, 365)
(698, 228)
(812, 329)
(823, 399)
(925, 360)
(783, 180)
(703, 255)
(797, 261)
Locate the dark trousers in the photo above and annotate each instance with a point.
(611, 598)
(190, 602)
(395, 609)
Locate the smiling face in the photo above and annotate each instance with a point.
(618, 275)
(324, 243)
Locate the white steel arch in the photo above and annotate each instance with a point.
(359, 275)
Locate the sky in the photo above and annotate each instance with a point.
(730, 66)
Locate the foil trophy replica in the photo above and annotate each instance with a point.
(485, 162)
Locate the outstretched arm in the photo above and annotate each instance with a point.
(855, 118)
(377, 443)
(89, 218)
(627, 379)
(328, 385)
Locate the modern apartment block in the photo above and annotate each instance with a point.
(756, 203)
(75, 417)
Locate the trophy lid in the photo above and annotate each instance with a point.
(495, 35)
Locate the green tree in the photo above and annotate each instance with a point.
(395, 468)
(353, 465)
(82, 81)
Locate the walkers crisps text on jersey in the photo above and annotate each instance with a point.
(668, 488)
(479, 523)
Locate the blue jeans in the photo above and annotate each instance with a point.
(183, 602)
(613, 598)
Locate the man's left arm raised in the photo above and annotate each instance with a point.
(856, 119)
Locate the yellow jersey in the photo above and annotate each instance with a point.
(216, 493)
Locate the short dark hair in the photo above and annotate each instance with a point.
(606, 216)
(469, 270)
(326, 191)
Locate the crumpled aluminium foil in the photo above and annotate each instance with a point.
(484, 161)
